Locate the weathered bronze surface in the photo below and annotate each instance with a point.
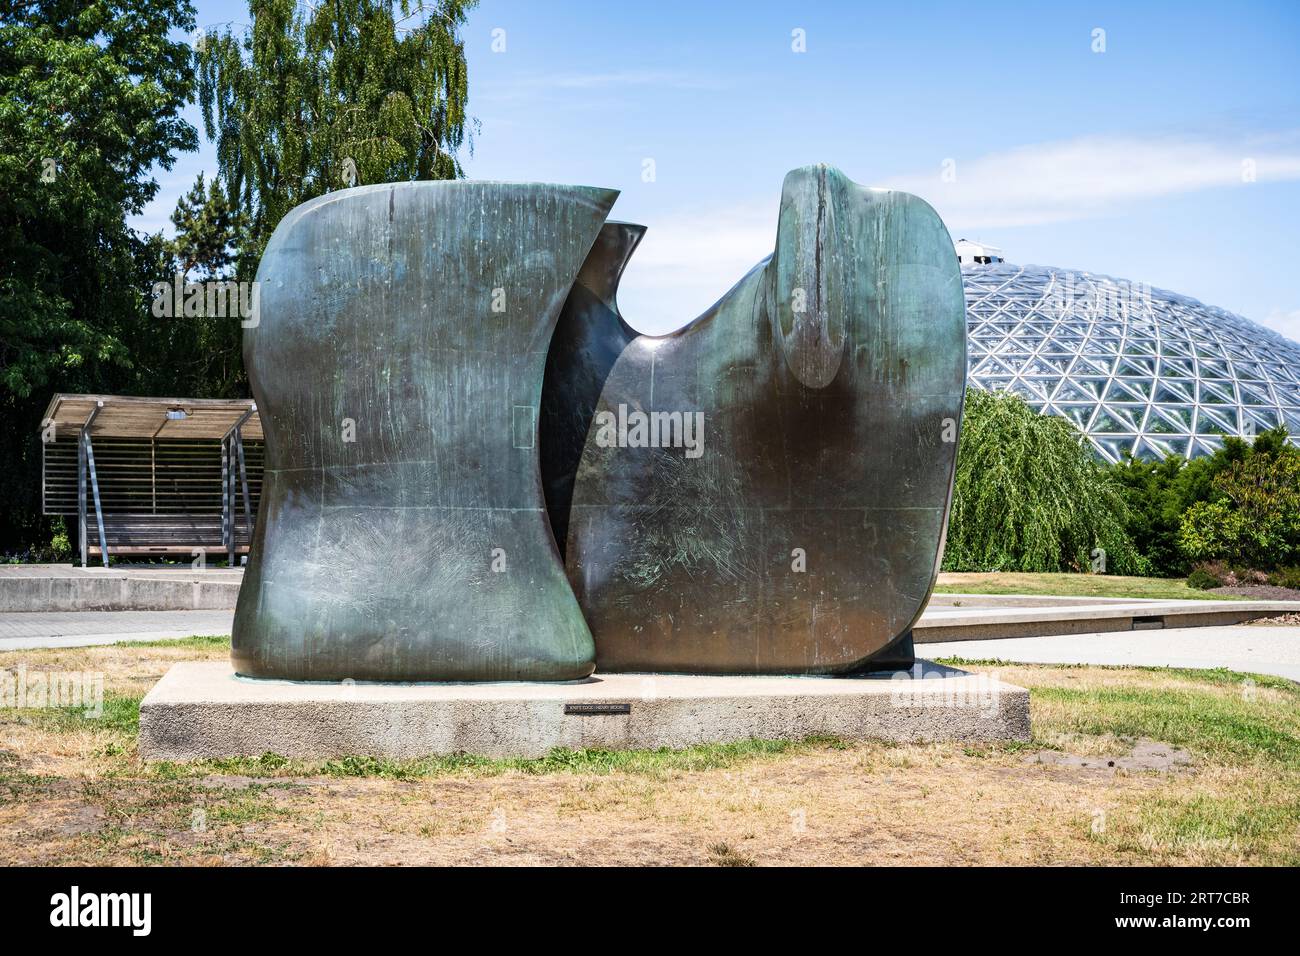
(397, 366)
(802, 533)
(763, 491)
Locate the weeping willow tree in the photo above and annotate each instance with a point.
(1029, 496)
(312, 98)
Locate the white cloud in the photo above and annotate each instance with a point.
(689, 259)
(1286, 322)
(1090, 176)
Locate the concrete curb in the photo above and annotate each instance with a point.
(943, 623)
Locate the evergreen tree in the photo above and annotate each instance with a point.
(189, 355)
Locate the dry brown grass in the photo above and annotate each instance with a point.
(74, 791)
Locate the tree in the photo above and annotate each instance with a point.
(1028, 496)
(90, 99)
(343, 93)
(1159, 494)
(195, 355)
(1254, 519)
(207, 231)
(1156, 493)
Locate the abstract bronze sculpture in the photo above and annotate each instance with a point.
(397, 366)
(800, 530)
(763, 491)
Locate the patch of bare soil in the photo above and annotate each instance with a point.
(1259, 592)
(1146, 756)
(1282, 620)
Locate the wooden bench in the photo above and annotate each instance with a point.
(166, 534)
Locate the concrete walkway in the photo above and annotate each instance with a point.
(1246, 647)
(23, 631)
(1263, 649)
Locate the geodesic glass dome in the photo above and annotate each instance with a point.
(1135, 368)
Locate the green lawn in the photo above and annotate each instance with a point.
(73, 789)
(1082, 585)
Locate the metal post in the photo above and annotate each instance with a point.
(81, 500)
(94, 487)
(230, 505)
(243, 477)
(232, 448)
(227, 540)
(83, 451)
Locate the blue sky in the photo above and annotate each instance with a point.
(1128, 161)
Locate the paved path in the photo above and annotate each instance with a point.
(21, 631)
(1243, 647)
(1259, 649)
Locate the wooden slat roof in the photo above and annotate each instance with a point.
(129, 416)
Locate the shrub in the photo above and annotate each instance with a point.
(1159, 495)
(1028, 496)
(1255, 520)
(60, 547)
(1156, 494)
(1204, 578)
(1286, 578)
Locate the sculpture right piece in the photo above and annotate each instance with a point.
(766, 490)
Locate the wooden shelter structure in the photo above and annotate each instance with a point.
(153, 476)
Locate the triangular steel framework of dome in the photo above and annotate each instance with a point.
(1137, 369)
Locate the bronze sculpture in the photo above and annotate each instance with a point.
(763, 491)
(802, 532)
(397, 363)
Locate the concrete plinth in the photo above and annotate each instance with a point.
(202, 710)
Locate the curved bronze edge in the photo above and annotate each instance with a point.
(418, 548)
(589, 337)
(603, 269)
(825, 375)
(807, 275)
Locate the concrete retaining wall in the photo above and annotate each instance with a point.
(47, 588)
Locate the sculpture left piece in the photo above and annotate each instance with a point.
(397, 364)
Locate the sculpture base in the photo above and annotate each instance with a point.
(203, 710)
